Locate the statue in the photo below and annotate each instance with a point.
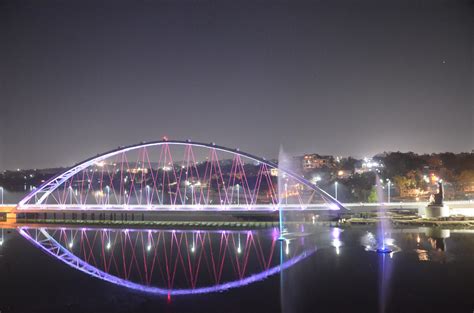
(437, 199)
(436, 207)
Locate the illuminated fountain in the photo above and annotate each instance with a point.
(383, 243)
(283, 162)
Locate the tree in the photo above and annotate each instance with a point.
(405, 183)
(373, 195)
(466, 180)
(466, 177)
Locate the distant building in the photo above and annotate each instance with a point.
(368, 165)
(316, 161)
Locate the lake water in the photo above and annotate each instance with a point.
(318, 269)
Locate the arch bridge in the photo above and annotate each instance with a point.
(178, 175)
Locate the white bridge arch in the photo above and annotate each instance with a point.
(168, 184)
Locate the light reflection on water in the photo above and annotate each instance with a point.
(176, 262)
(179, 262)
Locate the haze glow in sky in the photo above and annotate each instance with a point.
(336, 77)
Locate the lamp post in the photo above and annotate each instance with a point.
(238, 194)
(1, 190)
(388, 190)
(335, 189)
(107, 188)
(70, 195)
(147, 195)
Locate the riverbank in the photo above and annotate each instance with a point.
(404, 218)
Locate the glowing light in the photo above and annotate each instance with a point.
(77, 263)
(336, 243)
(71, 244)
(334, 207)
(124, 198)
(148, 248)
(316, 179)
(389, 241)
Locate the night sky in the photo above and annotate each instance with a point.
(333, 77)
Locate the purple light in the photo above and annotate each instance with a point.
(64, 255)
(45, 190)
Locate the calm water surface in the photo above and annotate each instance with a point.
(318, 269)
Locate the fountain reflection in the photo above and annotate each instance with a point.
(170, 262)
(336, 242)
(385, 273)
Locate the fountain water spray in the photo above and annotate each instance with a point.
(283, 162)
(383, 225)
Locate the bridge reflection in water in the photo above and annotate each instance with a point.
(171, 262)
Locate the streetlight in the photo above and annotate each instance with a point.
(335, 189)
(147, 195)
(70, 195)
(388, 190)
(107, 188)
(238, 194)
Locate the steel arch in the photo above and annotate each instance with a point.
(52, 184)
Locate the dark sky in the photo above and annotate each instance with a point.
(339, 77)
